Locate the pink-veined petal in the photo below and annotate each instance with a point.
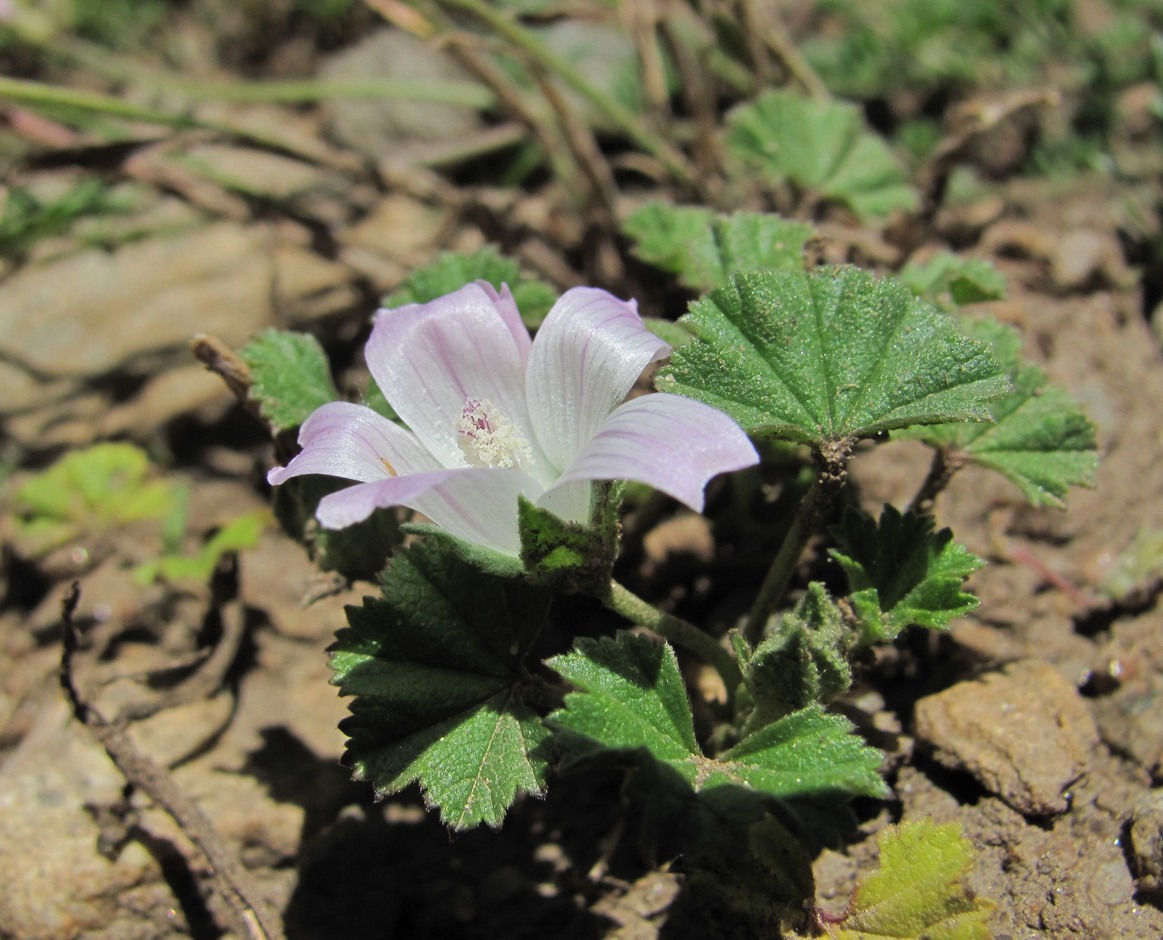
(571, 501)
(428, 359)
(478, 505)
(587, 356)
(672, 443)
(507, 308)
(341, 439)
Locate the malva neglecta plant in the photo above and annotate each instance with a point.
(519, 454)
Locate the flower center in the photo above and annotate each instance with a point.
(488, 439)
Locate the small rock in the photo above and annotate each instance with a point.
(1015, 238)
(56, 884)
(684, 535)
(1131, 720)
(1085, 257)
(1147, 843)
(1025, 734)
(163, 398)
(20, 390)
(395, 128)
(398, 233)
(1136, 108)
(88, 314)
(309, 287)
(257, 172)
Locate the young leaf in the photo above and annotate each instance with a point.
(435, 668)
(290, 376)
(1041, 440)
(822, 147)
(86, 492)
(801, 663)
(238, 534)
(948, 277)
(918, 893)
(451, 271)
(834, 355)
(632, 699)
(902, 573)
(703, 248)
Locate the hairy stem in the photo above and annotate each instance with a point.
(681, 632)
(944, 465)
(832, 473)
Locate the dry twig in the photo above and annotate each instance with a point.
(253, 918)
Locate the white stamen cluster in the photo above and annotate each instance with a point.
(488, 439)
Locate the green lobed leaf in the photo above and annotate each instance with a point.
(89, 491)
(667, 330)
(902, 573)
(1041, 439)
(632, 699)
(829, 356)
(918, 891)
(948, 277)
(435, 668)
(485, 559)
(822, 147)
(451, 271)
(704, 248)
(801, 663)
(290, 376)
(240, 533)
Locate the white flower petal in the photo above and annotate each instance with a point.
(428, 359)
(478, 505)
(587, 356)
(672, 443)
(341, 439)
(570, 501)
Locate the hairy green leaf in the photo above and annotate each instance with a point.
(451, 271)
(435, 668)
(822, 147)
(902, 573)
(290, 376)
(632, 699)
(703, 248)
(918, 891)
(948, 279)
(834, 355)
(87, 492)
(1041, 439)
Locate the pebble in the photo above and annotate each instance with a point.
(93, 312)
(1025, 734)
(1084, 257)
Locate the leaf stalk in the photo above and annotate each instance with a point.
(832, 473)
(622, 600)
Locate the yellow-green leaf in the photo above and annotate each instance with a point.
(918, 893)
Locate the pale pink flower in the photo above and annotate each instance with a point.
(492, 415)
